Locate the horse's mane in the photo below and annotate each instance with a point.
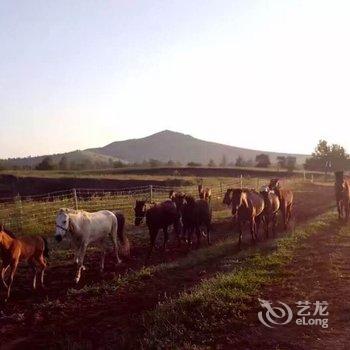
(10, 233)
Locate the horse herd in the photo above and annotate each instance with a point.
(185, 213)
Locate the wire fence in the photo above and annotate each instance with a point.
(36, 214)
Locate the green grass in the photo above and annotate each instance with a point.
(206, 313)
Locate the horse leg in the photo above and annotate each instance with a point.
(208, 232)
(166, 238)
(339, 207)
(80, 262)
(289, 212)
(4, 267)
(274, 222)
(115, 245)
(284, 216)
(240, 233)
(153, 235)
(13, 266)
(198, 234)
(257, 226)
(347, 209)
(252, 229)
(33, 266)
(42, 264)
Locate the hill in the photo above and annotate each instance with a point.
(169, 145)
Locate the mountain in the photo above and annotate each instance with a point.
(164, 146)
(169, 145)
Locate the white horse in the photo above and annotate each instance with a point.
(85, 228)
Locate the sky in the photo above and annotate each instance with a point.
(270, 75)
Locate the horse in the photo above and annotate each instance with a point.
(33, 249)
(196, 213)
(204, 193)
(85, 228)
(272, 206)
(286, 198)
(159, 216)
(342, 195)
(247, 205)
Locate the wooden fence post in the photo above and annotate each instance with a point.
(151, 193)
(75, 199)
(241, 181)
(221, 189)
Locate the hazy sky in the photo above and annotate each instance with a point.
(271, 75)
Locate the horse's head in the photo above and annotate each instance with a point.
(274, 184)
(237, 199)
(140, 211)
(228, 196)
(62, 224)
(179, 199)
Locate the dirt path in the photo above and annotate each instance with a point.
(63, 319)
(320, 271)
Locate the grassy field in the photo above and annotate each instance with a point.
(187, 299)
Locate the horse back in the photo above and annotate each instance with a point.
(29, 246)
(257, 202)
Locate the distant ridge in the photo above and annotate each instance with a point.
(169, 145)
(164, 146)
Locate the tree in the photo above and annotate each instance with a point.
(223, 161)
(239, 161)
(327, 157)
(262, 160)
(153, 163)
(290, 163)
(193, 164)
(46, 164)
(281, 161)
(63, 163)
(211, 163)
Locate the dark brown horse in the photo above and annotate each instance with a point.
(272, 206)
(342, 195)
(195, 215)
(286, 198)
(247, 206)
(159, 216)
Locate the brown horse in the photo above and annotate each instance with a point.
(159, 216)
(204, 193)
(342, 195)
(33, 249)
(286, 198)
(247, 205)
(272, 206)
(195, 214)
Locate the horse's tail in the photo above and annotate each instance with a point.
(46, 248)
(121, 234)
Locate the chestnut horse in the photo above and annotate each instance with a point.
(342, 195)
(286, 198)
(159, 216)
(195, 214)
(33, 249)
(247, 205)
(272, 206)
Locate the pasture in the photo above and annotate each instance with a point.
(188, 298)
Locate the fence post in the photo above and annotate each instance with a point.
(221, 189)
(151, 193)
(241, 181)
(257, 184)
(19, 212)
(75, 199)
(312, 178)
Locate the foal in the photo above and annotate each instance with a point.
(33, 249)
